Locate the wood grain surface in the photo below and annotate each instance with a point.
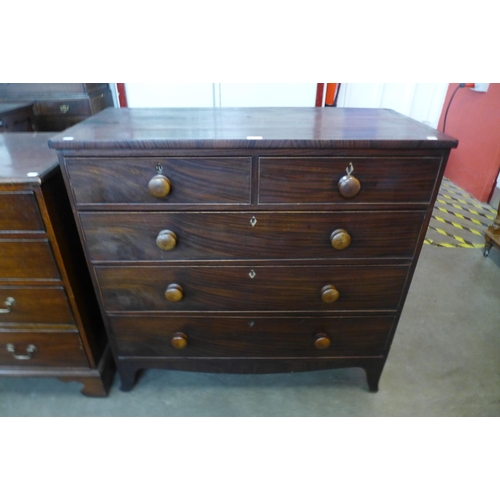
(231, 288)
(122, 236)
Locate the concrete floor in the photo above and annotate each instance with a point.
(444, 361)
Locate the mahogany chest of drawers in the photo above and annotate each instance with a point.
(252, 240)
(50, 322)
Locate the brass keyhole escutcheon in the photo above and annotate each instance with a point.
(252, 274)
(253, 221)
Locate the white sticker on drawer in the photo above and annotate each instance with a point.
(254, 137)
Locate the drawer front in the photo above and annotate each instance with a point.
(315, 180)
(38, 305)
(248, 337)
(245, 235)
(202, 181)
(70, 107)
(27, 259)
(54, 123)
(19, 212)
(51, 349)
(251, 288)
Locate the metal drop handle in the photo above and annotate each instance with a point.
(30, 350)
(9, 302)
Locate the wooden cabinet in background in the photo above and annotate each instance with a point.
(17, 117)
(252, 240)
(50, 323)
(492, 234)
(57, 106)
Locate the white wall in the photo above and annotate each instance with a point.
(141, 95)
(267, 94)
(169, 95)
(421, 101)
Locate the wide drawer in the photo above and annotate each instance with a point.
(132, 236)
(52, 349)
(68, 107)
(27, 259)
(51, 123)
(251, 337)
(202, 181)
(315, 180)
(19, 212)
(37, 305)
(251, 288)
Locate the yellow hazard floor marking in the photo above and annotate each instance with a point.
(461, 207)
(458, 226)
(462, 202)
(460, 216)
(428, 241)
(453, 236)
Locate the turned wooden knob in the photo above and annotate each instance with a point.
(322, 341)
(349, 186)
(159, 186)
(174, 292)
(179, 340)
(329, 294)
(166, 239)
(340, 239)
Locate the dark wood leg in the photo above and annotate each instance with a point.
(487, 245)
(127, 377)
(92, 386)
(373, 371)
(98, 383)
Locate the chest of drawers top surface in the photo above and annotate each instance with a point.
(25, 157)
(250, 128)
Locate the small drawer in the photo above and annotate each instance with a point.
(19, 212)
(51, 349)
(252, 288)
(27, 260)
(251, 337)
(161, 181)
(64, 107)
(177, 236)
(313, 181)
(35, 305)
